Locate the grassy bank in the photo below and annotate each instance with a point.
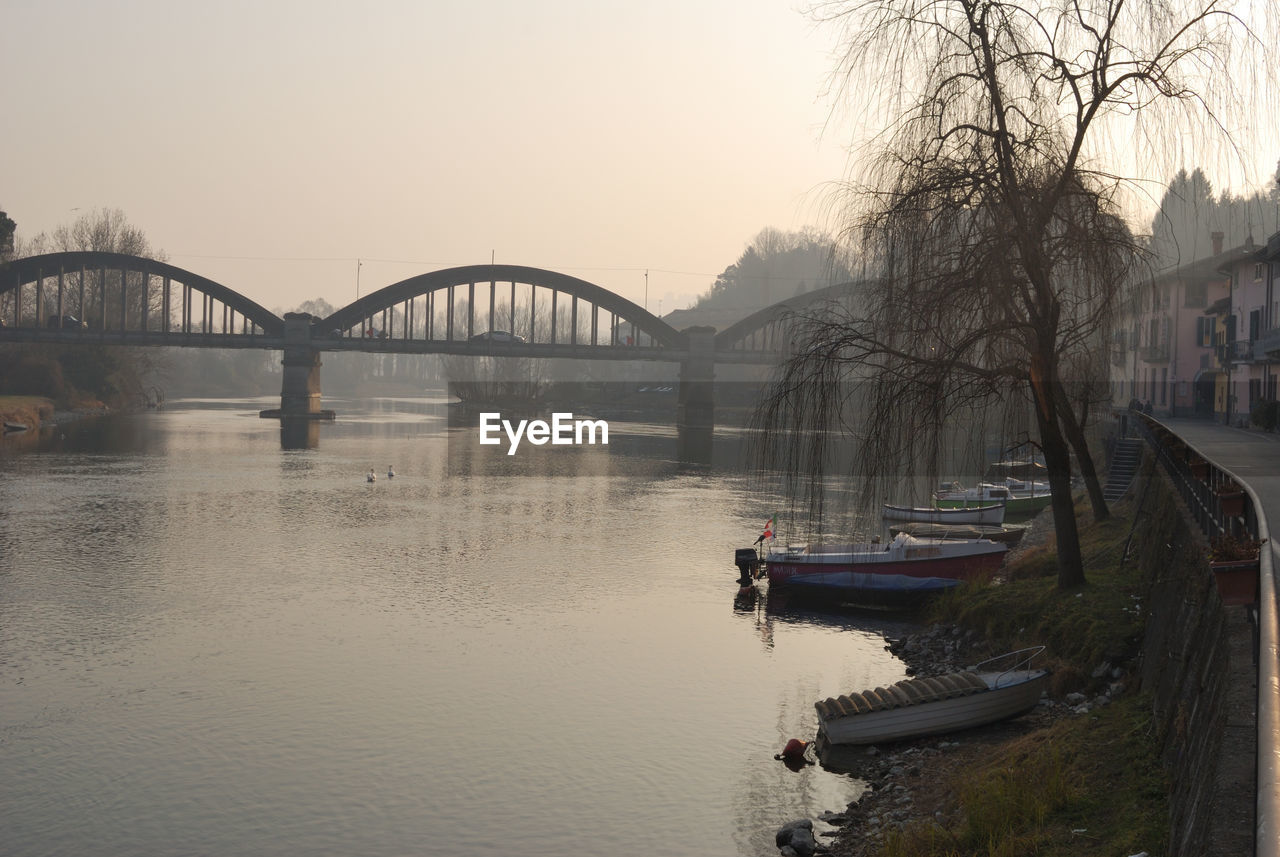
(1088, 784)
(27, 410)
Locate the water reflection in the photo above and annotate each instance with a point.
(299, 433)
(255, 651)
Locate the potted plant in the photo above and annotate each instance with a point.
(1230, 498)
(1233, 560)
(1199, 467)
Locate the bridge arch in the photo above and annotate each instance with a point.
(77, 283)
(494, 290)
(769, 329)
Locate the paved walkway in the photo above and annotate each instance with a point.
(1254, 458)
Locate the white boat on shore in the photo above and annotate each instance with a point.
(989, 514)
(932, 706)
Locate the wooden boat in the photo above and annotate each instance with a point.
(1009, 535)
(1019, 498)
(994, 690)
(991, 514)
(903, 569)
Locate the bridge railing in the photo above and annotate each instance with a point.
(1201, 484)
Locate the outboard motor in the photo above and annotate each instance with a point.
(748, 563)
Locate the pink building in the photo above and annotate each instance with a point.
(1205, 337)
(1249, 350)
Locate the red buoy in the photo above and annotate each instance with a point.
(794, 750)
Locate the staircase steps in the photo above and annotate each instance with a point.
(1124, 463)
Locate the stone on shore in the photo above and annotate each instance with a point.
(795, 839)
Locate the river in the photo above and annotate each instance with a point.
(213, 645)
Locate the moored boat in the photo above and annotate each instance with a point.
(990, 514)
(994, 690)
(903, 569)
(1019, 498)
(1009, 535)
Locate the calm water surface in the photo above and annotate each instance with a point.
(210, 645)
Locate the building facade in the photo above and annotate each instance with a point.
(1204, 339)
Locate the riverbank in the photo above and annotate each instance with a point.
(35, 412)
(29, 411)
(1079, 775)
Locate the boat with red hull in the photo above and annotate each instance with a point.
(903, 569)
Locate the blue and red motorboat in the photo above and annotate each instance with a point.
(902, 569)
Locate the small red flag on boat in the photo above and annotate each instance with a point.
(768, 528)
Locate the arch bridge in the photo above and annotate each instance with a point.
(478, 310)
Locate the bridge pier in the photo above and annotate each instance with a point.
(695, 411)
(300, 388)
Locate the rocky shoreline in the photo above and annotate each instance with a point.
(909, 781)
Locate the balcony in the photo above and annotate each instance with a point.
(1236, 352)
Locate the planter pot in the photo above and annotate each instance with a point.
(1199, 469)
(1232, 504)
(1236, 579)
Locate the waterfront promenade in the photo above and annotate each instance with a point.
(1254, 457)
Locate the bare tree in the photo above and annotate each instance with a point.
(103, 230)
(113, 373)
(994, 233)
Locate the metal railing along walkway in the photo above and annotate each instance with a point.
(1215, 456)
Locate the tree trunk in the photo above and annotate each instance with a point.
(1057, 458)
(1075, 436)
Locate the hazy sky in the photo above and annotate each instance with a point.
(269, 145)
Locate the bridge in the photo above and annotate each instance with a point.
(477, 310)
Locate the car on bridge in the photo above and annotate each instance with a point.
(66, 322)
(497, 336)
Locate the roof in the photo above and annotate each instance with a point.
(1211, 267)
(1272, 250)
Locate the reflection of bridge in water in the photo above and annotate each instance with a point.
(477, 310)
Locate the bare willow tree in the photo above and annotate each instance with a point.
(995, 232)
